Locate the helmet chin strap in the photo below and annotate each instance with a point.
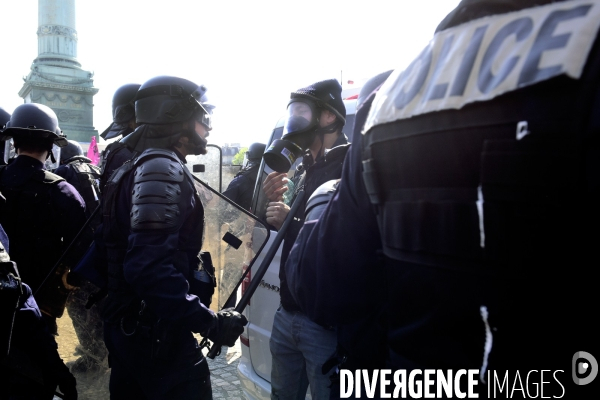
(195, 145)
(51, 155)
(196, 149)
(331, 128)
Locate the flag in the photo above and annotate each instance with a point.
(93, 153)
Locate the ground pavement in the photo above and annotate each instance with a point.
(223, 373)
(94, 385)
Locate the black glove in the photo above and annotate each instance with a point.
(230, 326)
(67, 385)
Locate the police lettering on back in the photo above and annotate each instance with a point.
(490, 56)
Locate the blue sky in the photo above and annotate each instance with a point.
(250, 54)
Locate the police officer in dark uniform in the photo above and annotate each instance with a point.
(43, 213)
(79, 171)
(152, 232)
(241, 188)
(478, 183)
(29, 361)
(316, 117)
(117, 153)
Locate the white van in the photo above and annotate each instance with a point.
(254, 368)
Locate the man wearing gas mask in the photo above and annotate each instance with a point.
(43, 213)
(316, 116)
(153, 222)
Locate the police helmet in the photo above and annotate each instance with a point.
(168, 99)
(72, 149)
(4, 117)
(167, 109)
(255, 151)
(123, 110)
(35, 123)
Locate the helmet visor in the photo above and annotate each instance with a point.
(204, 113)
(9, 150)
(53, 161)
(300, 116)
(205, 118)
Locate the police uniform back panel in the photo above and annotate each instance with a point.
(481, 158)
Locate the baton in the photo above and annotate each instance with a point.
(262, 269)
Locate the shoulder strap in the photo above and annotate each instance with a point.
(50, 178)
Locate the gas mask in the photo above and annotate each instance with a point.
(299, 132)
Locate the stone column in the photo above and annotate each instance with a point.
(56, 78)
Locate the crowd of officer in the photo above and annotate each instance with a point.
(120, 251)
(464, 211)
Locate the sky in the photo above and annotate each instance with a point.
(250, 54)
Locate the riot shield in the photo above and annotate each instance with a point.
(234, 238)
(208, 167)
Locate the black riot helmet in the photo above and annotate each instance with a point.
(168, 99)
(255, 151)
(302, 122)
(72, 149)
(4, 117)
(123, 111)
(166, 108)
(34, 123)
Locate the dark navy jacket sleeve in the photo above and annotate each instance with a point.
(233, 189)
(333, 265)
(150, 270)
(71, 206)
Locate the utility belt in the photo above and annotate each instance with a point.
(139, 321)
